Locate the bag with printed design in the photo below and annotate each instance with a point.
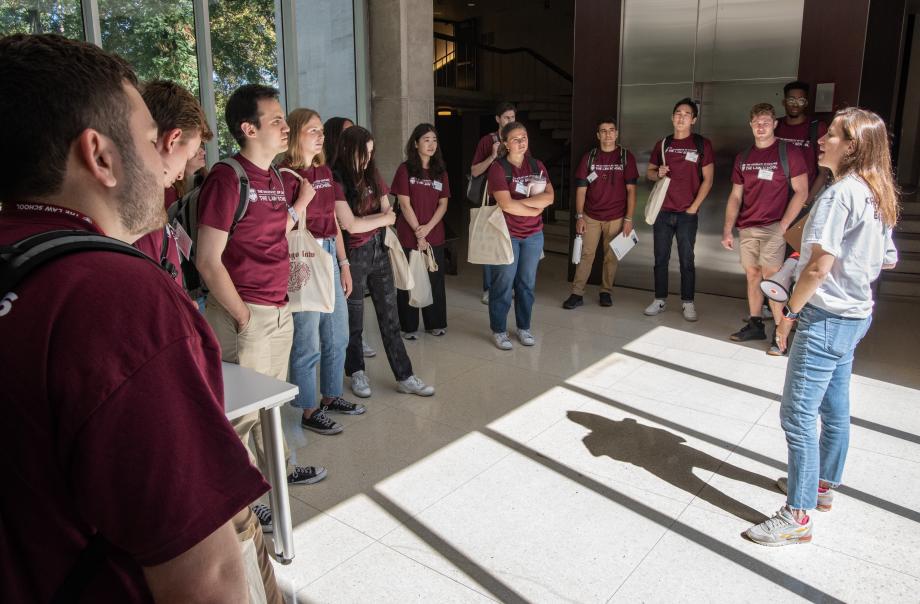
(490, 241)
(311, 280)
(659, 192)
(420, 295)
(430, 261)
(402, 276)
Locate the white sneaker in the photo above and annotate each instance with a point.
(367, 351)
(413, 385)
(655, 307)
(410, 335)
(690, 311)
(360, 385)
(485, 297)
(526, 337)
(502, 340)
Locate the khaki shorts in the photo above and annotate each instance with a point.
(762, 246)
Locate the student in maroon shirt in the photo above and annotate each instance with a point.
(181, 128)
(605, 199)
(365, 214)
(521, 188)
(797, 129)
(422, 189)
(763, 203)
(688, 160)
(320, 338)
(247, 274)
(487, 151)
(111, 380)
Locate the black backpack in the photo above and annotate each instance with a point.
(592, 155)
(698, 142)
(509, 173)
(184, 211)
(476, 185)
(783, 162)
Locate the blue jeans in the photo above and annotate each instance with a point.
(486, 277)
(667, 225)
(320, 338)
(521, 276)
(818, 382)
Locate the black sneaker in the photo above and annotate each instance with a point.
(605, 299)
(752, 330)
(306, 474)
(573, 301)
(340, 405)
(264, 514)
(319, 423)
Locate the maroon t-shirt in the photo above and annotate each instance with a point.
(424, 194)
(682, 159)
(605, 198)
(518, 226)
(766, 193)
(484, 147)
(321, 211)
(798, 135)
(152, 243)
(356, 240)
(113, 396)
(256, 255)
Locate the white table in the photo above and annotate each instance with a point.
(246, 391)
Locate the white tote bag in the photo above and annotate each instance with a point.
(490, 241)
(311, 280)
(659, 192)
(420, 296)
(402, 277)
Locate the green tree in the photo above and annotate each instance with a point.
(63, 17)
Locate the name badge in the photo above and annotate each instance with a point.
(520, 188)
(183, 241)
(692, 156)
(437, 185)
(765, 174)
(591, 177)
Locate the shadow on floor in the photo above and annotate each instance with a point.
(667, 456)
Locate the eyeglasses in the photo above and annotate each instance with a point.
(800, 101)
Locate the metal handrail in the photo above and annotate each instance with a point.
(507, 51)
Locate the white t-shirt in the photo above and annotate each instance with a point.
(846, 224)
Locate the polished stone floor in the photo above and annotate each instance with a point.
(618, 460)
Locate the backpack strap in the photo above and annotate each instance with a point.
(243, 179)
(21, 258)
(164, 256)
(813, 135)
(665, 143)
(784, 164)
(88, 563)
(592, 155)
(700, 147)
(534, 166)
(506, 165)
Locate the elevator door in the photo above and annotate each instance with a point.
(725, 54)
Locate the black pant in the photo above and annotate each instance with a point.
(434, 315)
(370, 269)
(667, 225)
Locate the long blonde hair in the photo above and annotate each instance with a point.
(870, 159)
(297, 121)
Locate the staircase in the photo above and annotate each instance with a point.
(903, 282)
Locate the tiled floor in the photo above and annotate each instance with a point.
(617, 460)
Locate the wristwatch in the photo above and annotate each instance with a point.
(579, 216)
(789, 315)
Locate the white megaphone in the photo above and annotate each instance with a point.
(777, 286)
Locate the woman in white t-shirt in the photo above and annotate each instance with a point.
(845, 244)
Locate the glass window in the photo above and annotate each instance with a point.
(63, 17)
(157, 37)
(244, 51)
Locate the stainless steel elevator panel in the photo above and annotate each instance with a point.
(728, 55)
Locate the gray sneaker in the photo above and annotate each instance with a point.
(654, 308)
(689, 310)
(367, 351)
(413, 385)
(264, 514)
(825, 499)
(526, 337)
(502, 340)
(485, 297)
(410, 335)
(360, 385)
(781, 529)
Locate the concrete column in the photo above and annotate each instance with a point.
(402, 81)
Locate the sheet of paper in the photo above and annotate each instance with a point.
(621, 244)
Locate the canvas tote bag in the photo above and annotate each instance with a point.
(420, 296)
(311, 280)
(402, 277)
(659, 191)
(490, 241)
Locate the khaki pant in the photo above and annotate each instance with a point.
(260, 576)
(762, 246)
(264, 345)
(595, 228)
